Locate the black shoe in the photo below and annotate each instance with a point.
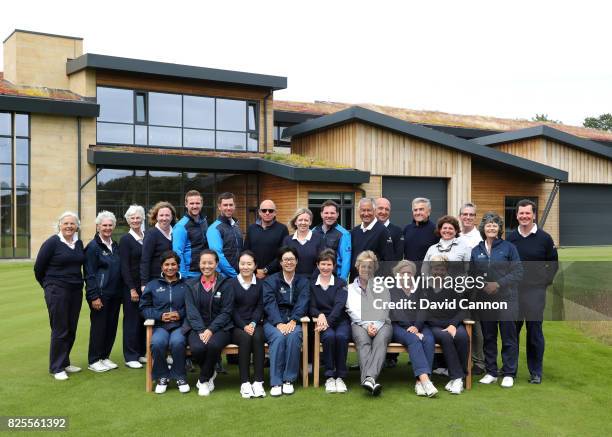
(535, 379)
(478, 371)
(219, 368)
(354, 367)
(390, 363)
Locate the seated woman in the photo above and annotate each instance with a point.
(371, 328)
(498, 260)
(420, 343)
(209, 303)
(446, 323)
(248, 330)
(286, 298)
(163, 300)
(327, 301)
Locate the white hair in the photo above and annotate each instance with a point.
(106, 215)
(424, 200)
(135, 210)
(365, 200)
(67, 214)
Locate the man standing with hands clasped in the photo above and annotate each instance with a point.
(540, 263)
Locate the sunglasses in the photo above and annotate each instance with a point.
(267, 211)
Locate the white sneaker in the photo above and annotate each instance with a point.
(211, 381)
(507, 382)
(429, 389)
(61, 376)
(246, 391)
(330, 386)
(203, 389)
(162, 385)
(72, 369)
(98, 366)
(488, 379)
(456, 386)
(440, 371)
(258, 389)
(182, 386)
(108, 363)
(449, 385)
(133, 365)
(169, 360)
(142, 360)
(288, 388)
(340, 386)
(276, 390)
(419, 390)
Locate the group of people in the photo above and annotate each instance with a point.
(206, 286)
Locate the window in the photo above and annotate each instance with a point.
(510, 221)
(14, 185)
(344, 200)
(174, 120)
(279, 141)
(117, 189)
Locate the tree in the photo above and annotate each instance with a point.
(544, 117)
(603, 122)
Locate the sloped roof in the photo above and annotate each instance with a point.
(368, 116)
(546, 132)
(440, 118)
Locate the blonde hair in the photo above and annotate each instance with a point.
(403, 264)
(366, 255)
(159, 205)
(298, 213)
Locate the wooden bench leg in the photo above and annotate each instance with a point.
(468, 379)
(305, 354)
(149, 369)
(315, 359)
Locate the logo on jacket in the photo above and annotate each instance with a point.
(160, 289)
(282, 290)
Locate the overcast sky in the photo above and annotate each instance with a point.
(505, 59)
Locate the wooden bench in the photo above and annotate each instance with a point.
(392, 348)
(230, 349)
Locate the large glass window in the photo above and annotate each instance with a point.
(510, 220)
(344, 200)
(117, 189)
(279, 141)
(175, 120)
(14, 185)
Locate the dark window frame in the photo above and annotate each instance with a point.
(342, 205)
(510, 211)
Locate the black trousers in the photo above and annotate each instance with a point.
(455, 349)
(134, 333)
(64, 306)
(250, 344)
(103, 328)
(207, 355)
(532, 301)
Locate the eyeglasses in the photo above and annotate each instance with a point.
(288, 260)
(267, 211)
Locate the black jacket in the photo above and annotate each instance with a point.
(331, 302)
(220, 307)
(265, 244)
(248, 304)
(130, 252)
(153, 245)
(102, 270)
(56, 263)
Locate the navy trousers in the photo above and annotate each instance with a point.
(509, 352)
(160, 342)
(532, 301)
(335, 349)
(64, 306)
(421, 352)
(134, 333)
(207, 354)
(455, 349)
(103, 328)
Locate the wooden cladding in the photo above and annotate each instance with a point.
(582, 166)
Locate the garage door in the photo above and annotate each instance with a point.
(401, 190)
(585, 214)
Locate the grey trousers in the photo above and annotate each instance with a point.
(477, 345)
(371, 350)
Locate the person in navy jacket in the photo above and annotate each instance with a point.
(307, 243)
(225, 237)
(335, 237)
(327, 306)
(104, 292)
(286, 297)
(189, 235)
(248, 329)
(130, 252)
(418, 341)
(157, 240)
(163, 300)
(209, 302)
(420, 234)
(58, 271)
(499, 262)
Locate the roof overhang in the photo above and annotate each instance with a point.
(178, 71)
(544, 131)
(359, 114)
(139, 160)
(48, 106)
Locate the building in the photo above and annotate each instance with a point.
(86, 132)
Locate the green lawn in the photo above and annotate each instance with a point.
(573, 400)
